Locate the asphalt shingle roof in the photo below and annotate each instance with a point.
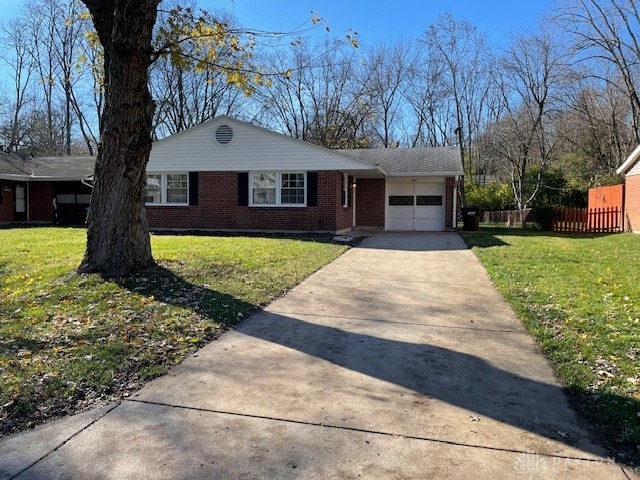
(392, 161)
(411, 161)
(13, 166)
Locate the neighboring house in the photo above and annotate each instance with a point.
(631, 170)
(29, 185)
(225, 174)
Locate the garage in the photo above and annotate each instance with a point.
(415, 204)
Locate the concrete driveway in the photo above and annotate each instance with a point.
(398, 360)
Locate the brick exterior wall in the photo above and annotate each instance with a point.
(450, 184)
(632, 203)
(218, 208)
(41, 202)
(344, 216)
(6, 203)
(370, 202)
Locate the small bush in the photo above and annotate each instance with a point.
(544, 215)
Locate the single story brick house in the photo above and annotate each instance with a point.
(225, 174)
(631, 170)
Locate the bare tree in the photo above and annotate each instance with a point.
(283, 105)
(186, 96)
(337, 105)
(41, 43)
(596, 132)
(459, 51)
(51, 32)
(428, 105)
(607, 38)
(68, 34)
(322, 99)
(388, 69)
(17, 58)
(530, 76)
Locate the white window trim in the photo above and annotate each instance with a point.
(163, 190)
(278, 190)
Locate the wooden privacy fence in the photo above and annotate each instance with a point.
(583, 220)
(509, 218)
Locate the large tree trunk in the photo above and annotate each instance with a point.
(117, 229)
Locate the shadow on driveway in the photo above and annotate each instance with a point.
(456, 378)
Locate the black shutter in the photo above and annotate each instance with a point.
(312, 189)
(243, 189)
(193, 188)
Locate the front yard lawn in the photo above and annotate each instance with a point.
(579, 296)
(70, 341)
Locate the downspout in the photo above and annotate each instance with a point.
(454, 220)
(353, 203)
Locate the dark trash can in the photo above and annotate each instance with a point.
(470, 218)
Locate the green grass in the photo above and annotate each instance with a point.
(580, 298)
(68, 341)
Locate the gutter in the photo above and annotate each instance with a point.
(35, 178)
(424, 174)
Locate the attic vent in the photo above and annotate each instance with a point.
(224, 134)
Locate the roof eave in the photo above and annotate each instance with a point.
(381, 170)
(37, 178)
(14, 177)
(57, 178)
(424, 174)
(629, 162)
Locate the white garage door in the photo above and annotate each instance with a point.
(415, 206)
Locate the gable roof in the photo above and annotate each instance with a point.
(26, 168)
(255, 148)
(434, 161)
(248, 148)
(630, 162)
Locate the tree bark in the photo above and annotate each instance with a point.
(117, 230)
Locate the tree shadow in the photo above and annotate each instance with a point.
(487, 237)
(166, 286)
(221, 310)
(414, 241)
(315, 237)
(454, 377)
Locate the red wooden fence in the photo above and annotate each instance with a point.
(583, 220)
(606, 197)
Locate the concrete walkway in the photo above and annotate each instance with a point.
(398, 360)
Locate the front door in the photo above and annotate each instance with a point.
(20, 202)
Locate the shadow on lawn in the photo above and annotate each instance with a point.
(122, 353)
(164, 285)
(605, 410)
(300, 236)
(487, 237)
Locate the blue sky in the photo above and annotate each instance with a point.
(375, 21)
